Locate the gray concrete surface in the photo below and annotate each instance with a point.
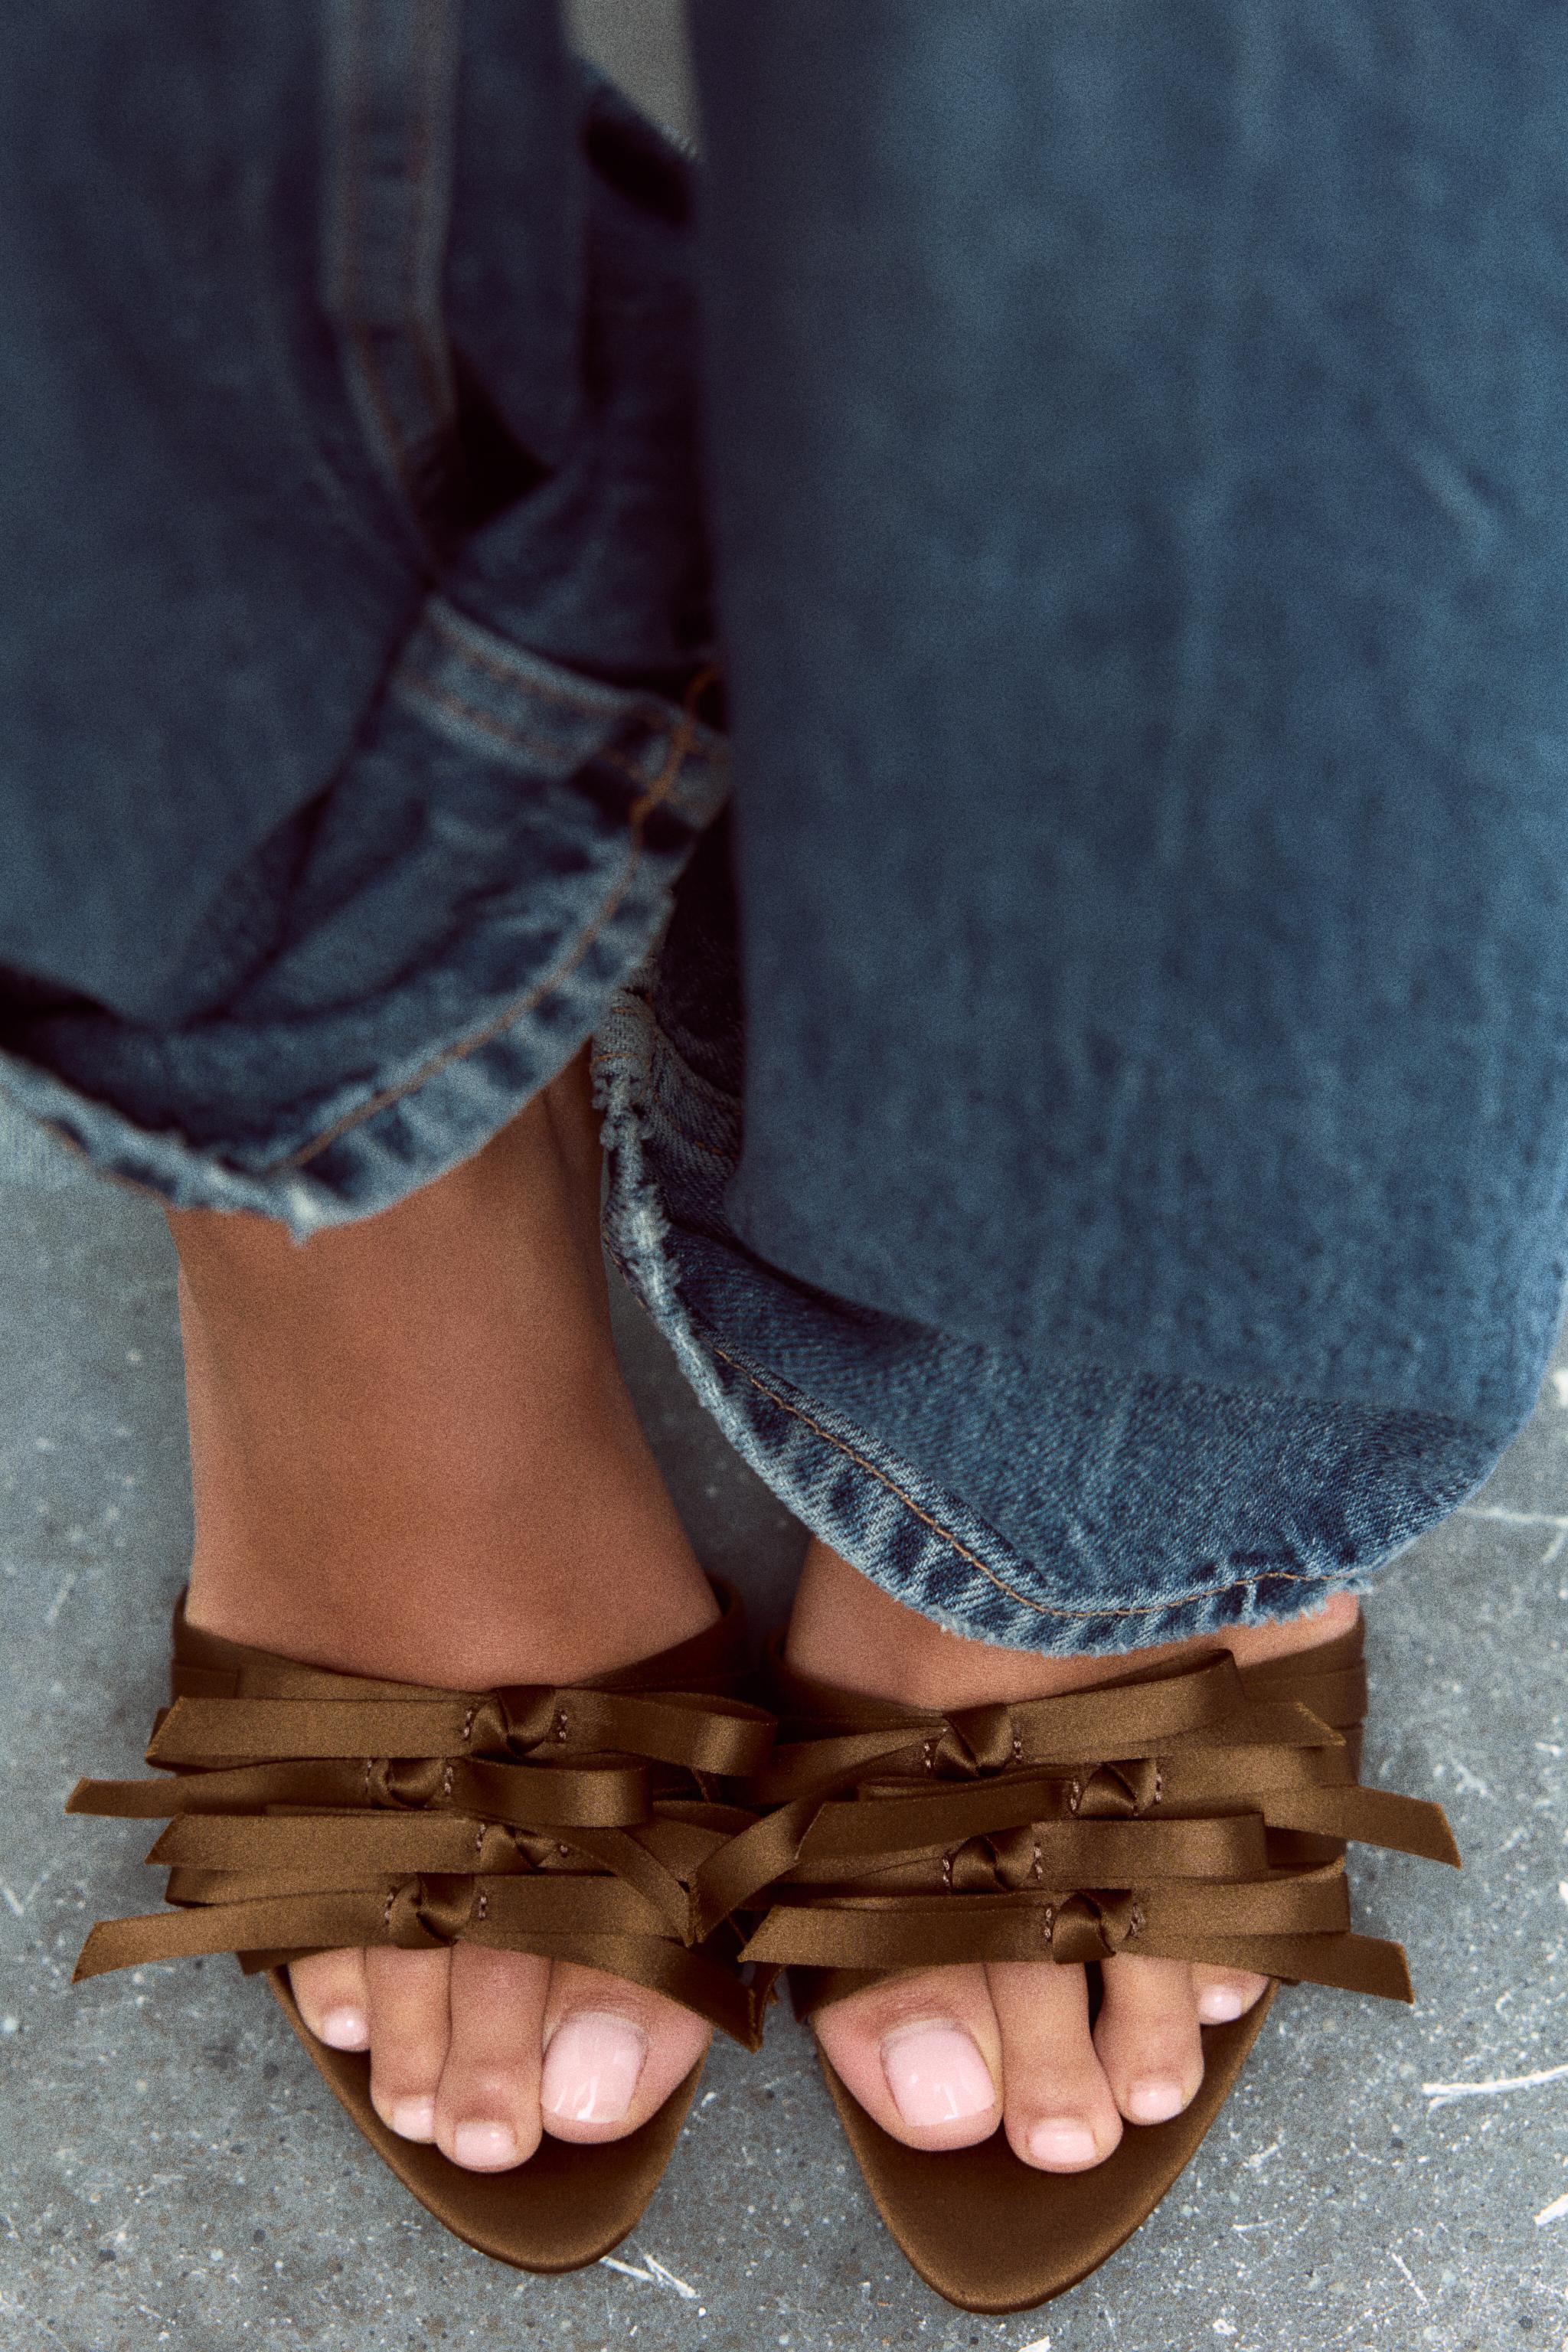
(172, 2173)
(643, 45)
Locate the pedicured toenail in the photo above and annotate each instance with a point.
(486, 2146)
(1218, 2005)
(346, 2028)
(1154, 2102)
(415, 2118)
(936, 2075)
(591, 2067)
(1061, 2141)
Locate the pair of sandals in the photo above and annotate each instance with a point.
(662, 1825)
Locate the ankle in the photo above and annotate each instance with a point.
(412, 1450)
(846, 1631)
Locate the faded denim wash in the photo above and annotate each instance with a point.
(1093, 1117)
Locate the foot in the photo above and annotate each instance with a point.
(940, 2057)
(413, 1455)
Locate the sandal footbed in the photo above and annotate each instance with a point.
(569, 2204)
(991, 2233)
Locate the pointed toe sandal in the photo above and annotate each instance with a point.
(1193, 1814)
(311, 1809)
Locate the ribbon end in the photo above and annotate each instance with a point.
(92, 1960)
(1445, 1846)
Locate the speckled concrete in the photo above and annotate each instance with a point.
(170, 2172)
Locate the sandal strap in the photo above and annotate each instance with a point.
(1197, 1812)
(310, 1809)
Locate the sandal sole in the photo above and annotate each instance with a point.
(566, 2207)
(991, 2234)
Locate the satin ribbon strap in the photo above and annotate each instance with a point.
(309, 1810)
(605, 1796)
(1126, 1718)
(1182, 1813)
(1369, 1817)
(723, 1736)
(225, 1730)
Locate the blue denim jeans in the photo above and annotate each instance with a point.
(1092, 1111)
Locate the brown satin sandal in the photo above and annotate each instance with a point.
(1195, 1813)
(311, 1809)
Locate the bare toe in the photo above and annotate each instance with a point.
(613, 2051)
(1058, 2111)
(487, 2107)
(923, 2053)
(333, 1997)
(1147, 2037)
(1225, 1993)
(408, 2034)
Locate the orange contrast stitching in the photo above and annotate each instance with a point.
(482, 658)
(426, 687)
(504, 734)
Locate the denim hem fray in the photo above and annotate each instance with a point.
(911, 1536)
(441, 1059)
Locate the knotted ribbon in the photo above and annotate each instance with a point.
(1194, 1813)
(309, 1809)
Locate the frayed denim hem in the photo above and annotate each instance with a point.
(669, 1133)
(549, 815)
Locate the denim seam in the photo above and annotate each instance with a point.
(1043, 1608)
(415, 685)
(415, 78)
(480, 657)
(655, 794)
(413, 682)
(630, 1061)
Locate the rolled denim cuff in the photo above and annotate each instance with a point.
(493, 861)
(1062, 1511)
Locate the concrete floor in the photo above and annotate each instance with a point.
(171, 2172)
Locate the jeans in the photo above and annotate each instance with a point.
(1000, 644)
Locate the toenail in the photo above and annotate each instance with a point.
(415, 2118)
(1062, 2141)
(346, 2028)
(485, 2146)
(936, 2075)
(1155, 2103)
(591, 2067)
(1218, 2004)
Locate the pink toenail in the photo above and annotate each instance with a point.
(346, 2028)
(1061, 2141)
(486, 2147)
(1218, 2004)
(936, 2075)
(415, 2118)
(591, 2067)
(1154, 2102)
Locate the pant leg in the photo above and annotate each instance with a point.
(1135, 1203)
(357, 574)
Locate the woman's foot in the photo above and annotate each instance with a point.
(413, 1455)
(939, 2057)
